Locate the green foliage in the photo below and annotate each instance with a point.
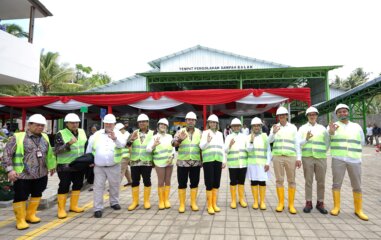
(15, 30)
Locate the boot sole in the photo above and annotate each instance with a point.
(32, 222)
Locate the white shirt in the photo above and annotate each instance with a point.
(246, 131)
(104, 152)
(217, 139)
(288, 127)
(259, 139)
(369, 131)
(125, 135)
(165, 139)
(350, 127)
(315, 130)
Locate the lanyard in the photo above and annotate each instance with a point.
(36, 143)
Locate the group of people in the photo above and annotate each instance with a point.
(28, 157)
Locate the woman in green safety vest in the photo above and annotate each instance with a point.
(163, 155)
(259, 158)
(140, 162)
(235, 148)
(213, 160)
(27, 159)
(69, 144)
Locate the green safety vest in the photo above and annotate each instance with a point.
(315, 147)
(346, 144)
(284, 144)
(117, 151)
(126, 152)
(259, 154)
(138, 149)
(76, 149)
(162, 153)
(237, 156)
(213, 153)
(18, 159)
(190, 150)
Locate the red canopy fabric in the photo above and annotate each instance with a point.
(25, 102)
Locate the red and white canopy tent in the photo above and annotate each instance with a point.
(234, 102)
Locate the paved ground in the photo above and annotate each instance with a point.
(241, 223)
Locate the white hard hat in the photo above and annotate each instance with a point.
(119, 126)
(72, 117)
(312, 110)
(213, 118)
(109, 118)
(163, 121)
(256, 120)
(37, 118)
(236, 121)
(191, 115)
(143, 117)
(341, 105)
(281, 110)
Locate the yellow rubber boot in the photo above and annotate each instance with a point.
(357, 197)
(74, 202)
(194, 199)
(19, 208)
(233, 192)
(61, 202)
(215, 197)
(167, 190)
(336, 203)
(160, 192)
(262, 194)
(135, 199)
(182, 196)
(209, 197)
(291, 199)
(32, 209)
(241, 195)
(147, 195)
(254, 191)
(280, 193)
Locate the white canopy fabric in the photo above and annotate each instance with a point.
(152, 104)
(71, 105)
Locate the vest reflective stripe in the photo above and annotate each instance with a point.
(315, 147)
(117, 151)
(237, 158)
(138, 150)
(77, 149)
(284, 143)
(18, 159)
(161, 154)
(213, 153)
(346, 144)
(259, 154)
(190, 150)
(125, 152)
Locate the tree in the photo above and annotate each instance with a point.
(82, 72)
(356, 78)
(15, 30)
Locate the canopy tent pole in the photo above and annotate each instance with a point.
(23, 117)
(109, 109)
(204, 115)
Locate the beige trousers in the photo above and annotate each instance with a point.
(338, 173)
(318, 167)
(125, 170)
(284, 164)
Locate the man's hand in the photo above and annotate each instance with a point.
(298, 164)
(112, 135)
(182, 135)
(73, 140)
(134, 136)
(332, 128)
(13, 176)
(276, 128)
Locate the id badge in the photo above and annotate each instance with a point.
(39, 154)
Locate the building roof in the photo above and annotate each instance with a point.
(20, 9)
(156, 63)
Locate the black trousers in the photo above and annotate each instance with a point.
(212, 174)
(193, 173)
(256, 183)
(144, 172)
(25, 187)
(237, 176)
(66, 178)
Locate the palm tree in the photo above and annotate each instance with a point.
(15, 30)
(53, 77)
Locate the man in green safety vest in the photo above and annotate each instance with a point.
(27, 158)
(69, 144)
(284, 152)
(347, 139)
(106, 145)
(313, 142)
(188, 161)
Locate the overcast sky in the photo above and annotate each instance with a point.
(119, 37)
